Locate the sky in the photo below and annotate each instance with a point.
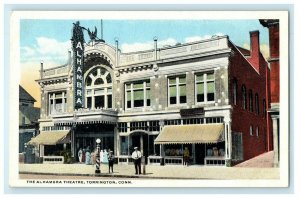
(49, 40)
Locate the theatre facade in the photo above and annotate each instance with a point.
(208, 96)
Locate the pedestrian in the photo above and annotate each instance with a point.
(101, 156)
(80, 155)
(137, 156)
(186, 156)
(83, 155)
(111, 159)
(88, 157)
(105, 155)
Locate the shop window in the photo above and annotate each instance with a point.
(98, 91)
(177, 90)
(205, 87)
(137, 94)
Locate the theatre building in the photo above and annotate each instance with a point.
(210, 96)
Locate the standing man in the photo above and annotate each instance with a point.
(137, 156)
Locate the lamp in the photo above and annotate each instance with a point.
(98, 171)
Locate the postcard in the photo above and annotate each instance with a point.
(149, 99)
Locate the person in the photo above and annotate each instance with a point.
(80, 155)
(88, 160)
(83, 155)
(111, 159)
(186, 156)
(105, 155)
(101, 156)
(137, 156)
(94, 156)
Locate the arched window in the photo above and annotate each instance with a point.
(257, 131)
(250, 101)
(234, 92)
(244, 97)
(98, 90)
(256, 104)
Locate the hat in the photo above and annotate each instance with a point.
(110, 151)
(136, 147)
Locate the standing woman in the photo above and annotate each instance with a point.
(105, 157)
(101, 156)
(83, 155)
(80, 155)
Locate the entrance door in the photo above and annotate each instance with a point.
(140, 140)
(200, 153)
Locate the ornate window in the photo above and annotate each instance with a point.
(137, 94)
(257, 131)
(251, 130)
(177, 90)
(244, 97)
(57, 102)
(98, 91)
(205, 87)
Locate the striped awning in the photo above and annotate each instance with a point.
(50, 138)
(191, 134)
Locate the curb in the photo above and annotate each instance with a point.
(108, 175)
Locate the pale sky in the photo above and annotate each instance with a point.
(49, 40)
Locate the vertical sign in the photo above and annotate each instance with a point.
(78, 51)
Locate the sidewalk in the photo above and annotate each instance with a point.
(152, 171)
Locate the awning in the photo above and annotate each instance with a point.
(191, 134)
(50, 138)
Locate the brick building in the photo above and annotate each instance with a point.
(210, 96)
(273, 26)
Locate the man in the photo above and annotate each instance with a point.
(136, 156)
(186, 156)
(111, 160)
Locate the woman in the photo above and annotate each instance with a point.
(88, 159)
(80, 155)
(105, 157)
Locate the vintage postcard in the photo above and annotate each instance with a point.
(149, 99)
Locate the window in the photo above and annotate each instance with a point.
(205, 87)
(257, 131)
(137, 94)
(57, 102)
(177, 90)
(251, 130)
(264, 108)
(250, 101)
(244, 97)
(234, 92)
(98, 92)
(256, 104)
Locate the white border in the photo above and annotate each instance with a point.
(284, 113)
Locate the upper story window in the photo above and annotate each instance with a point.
(98, 91)
(57, 102)
(234, 92)
(244, 97)
(205, 87)
(250, 101)
(137, 94)
(256, 104)
(177, 90)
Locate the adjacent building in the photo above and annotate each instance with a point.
(274, 110)
(210, 96)
(28, 118)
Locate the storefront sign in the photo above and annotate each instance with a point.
(191, 112)
(78, 60)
